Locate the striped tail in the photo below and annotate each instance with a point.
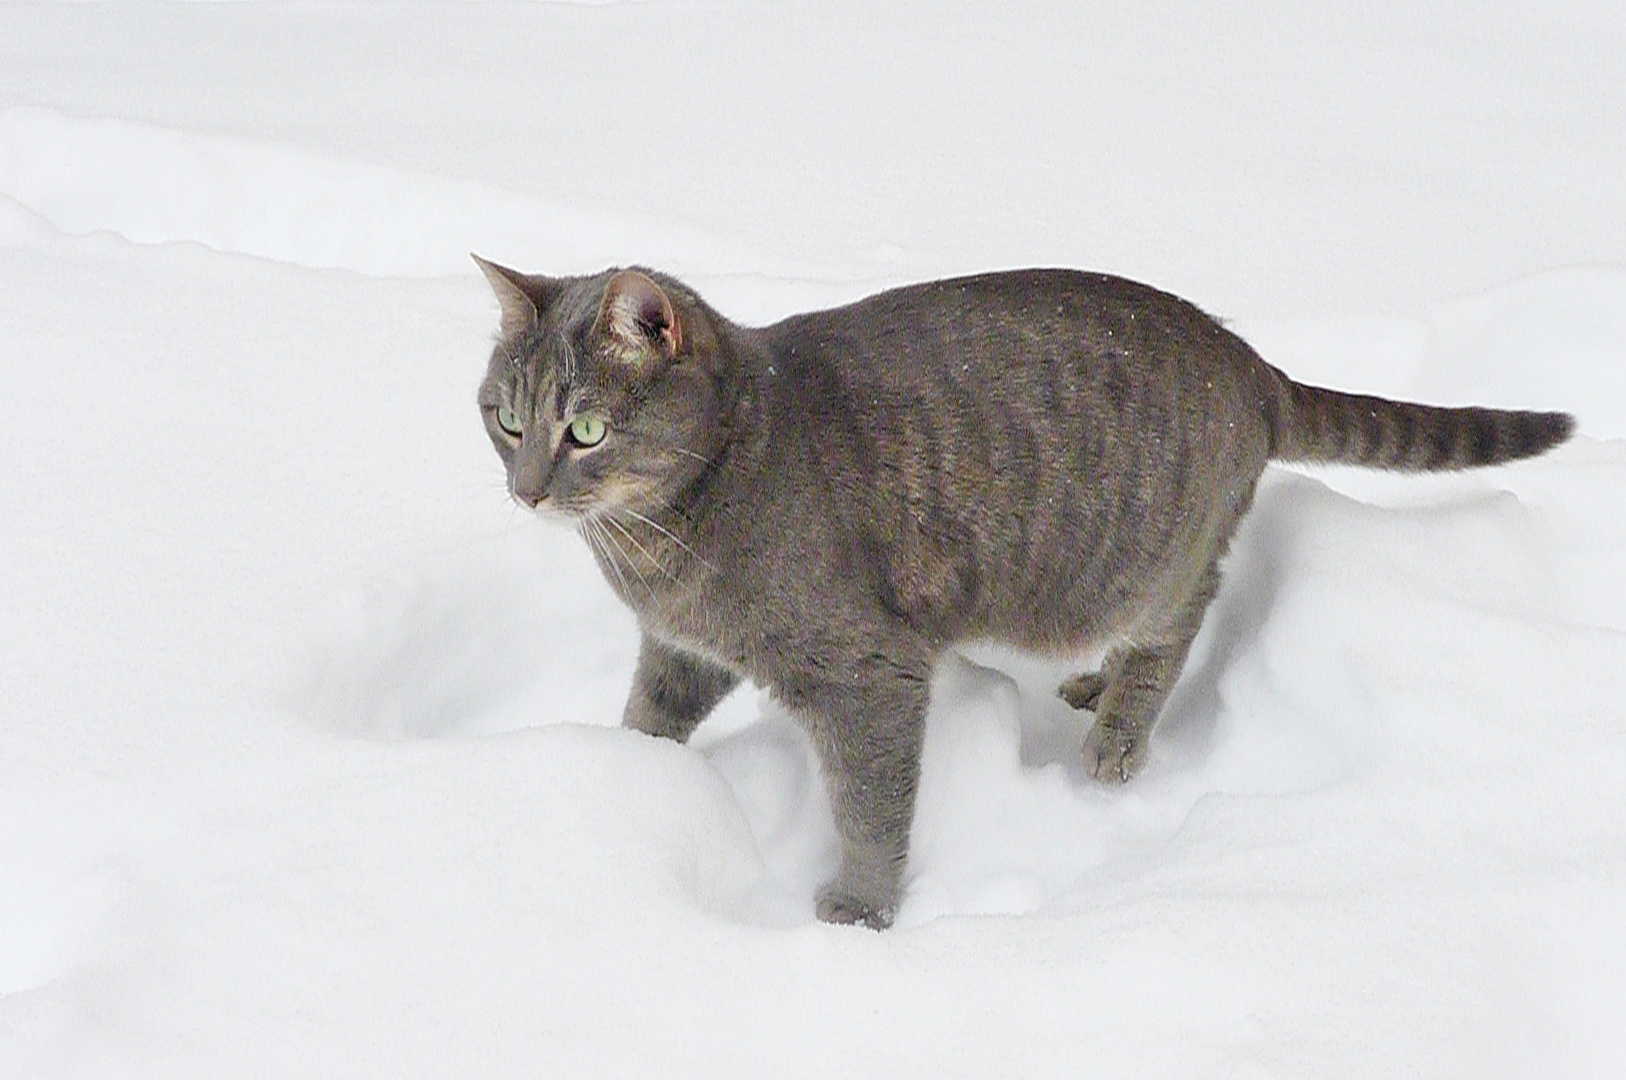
(1313, 424)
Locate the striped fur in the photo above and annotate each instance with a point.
(1049, 459)
(1319, 425)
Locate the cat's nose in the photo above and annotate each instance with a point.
(531, 477)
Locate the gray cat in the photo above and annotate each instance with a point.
(1050, 459)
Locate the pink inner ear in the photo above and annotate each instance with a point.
(663, 323)
(640, 310)
(652, 312)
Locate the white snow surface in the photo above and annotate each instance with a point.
(308, 756)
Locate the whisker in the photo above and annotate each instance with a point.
(645, 435)
(664, 531)
(609, 519)
(610, 556)
(685, 450)
(592, 534)
(630, 564)
(682, 513)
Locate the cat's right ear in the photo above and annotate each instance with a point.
(522, 296)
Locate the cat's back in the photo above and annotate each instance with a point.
(1019, 293)
(998, 329)
(1054, 352)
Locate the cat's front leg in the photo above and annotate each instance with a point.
(868, 737)
(673, 690)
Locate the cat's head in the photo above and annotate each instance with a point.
(602, 393)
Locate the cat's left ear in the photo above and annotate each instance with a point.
(639, 316)
(522, 296)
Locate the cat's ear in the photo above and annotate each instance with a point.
(640, 317)
(522, 296)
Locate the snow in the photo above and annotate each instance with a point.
(308, 757)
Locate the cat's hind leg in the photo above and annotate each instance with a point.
(1129, 691)
(1083, 691)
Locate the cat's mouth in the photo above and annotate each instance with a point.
(571, 513)
(560, 512)
(615, 497)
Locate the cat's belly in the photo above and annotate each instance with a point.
(914, 598)
(1052, 597)
(1067, 624)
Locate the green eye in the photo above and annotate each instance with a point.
(587, 431)
(508, 420)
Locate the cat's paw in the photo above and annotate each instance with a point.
(1113, 755)
(1083, 691)
(837, 905)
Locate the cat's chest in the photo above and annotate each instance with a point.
(710, 620)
